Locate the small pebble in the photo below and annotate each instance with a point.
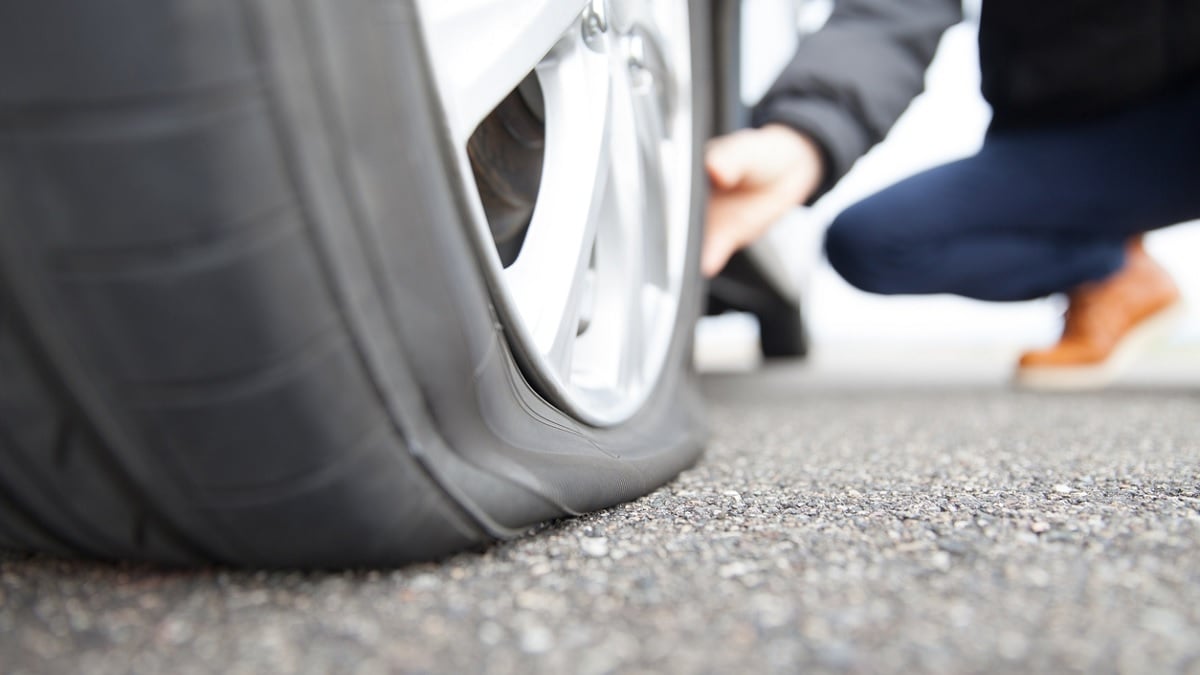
(594, 547)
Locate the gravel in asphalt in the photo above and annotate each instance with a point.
(951, 528)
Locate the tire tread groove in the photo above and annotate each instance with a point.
(176, 259)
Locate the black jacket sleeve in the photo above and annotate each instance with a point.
(851, 80)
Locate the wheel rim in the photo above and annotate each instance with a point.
(591, 294)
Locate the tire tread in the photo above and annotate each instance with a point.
(197, 306)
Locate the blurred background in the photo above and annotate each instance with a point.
(946, 122)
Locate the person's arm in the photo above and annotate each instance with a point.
(850, 81)
(840, 95)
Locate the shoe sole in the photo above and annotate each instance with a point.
(1102, 374)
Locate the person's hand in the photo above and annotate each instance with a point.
(757, 176)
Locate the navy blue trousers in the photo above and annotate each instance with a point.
(1035, 212)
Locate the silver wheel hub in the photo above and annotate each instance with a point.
(592, 295)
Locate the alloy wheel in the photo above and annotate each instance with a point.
(571, 124)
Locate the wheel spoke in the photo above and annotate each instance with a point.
(548, 276)
(634, 187)
(650, 108)
(612, 354)
(482, 49)
(599, 354)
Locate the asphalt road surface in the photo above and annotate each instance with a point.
(840, 522)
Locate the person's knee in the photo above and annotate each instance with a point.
(856, 247)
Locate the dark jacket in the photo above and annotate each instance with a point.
(1042, 62)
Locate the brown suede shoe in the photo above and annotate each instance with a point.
(1108, 323)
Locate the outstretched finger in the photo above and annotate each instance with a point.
(718, 248)
(725, 161)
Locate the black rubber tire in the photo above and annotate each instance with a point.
(241, 316)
